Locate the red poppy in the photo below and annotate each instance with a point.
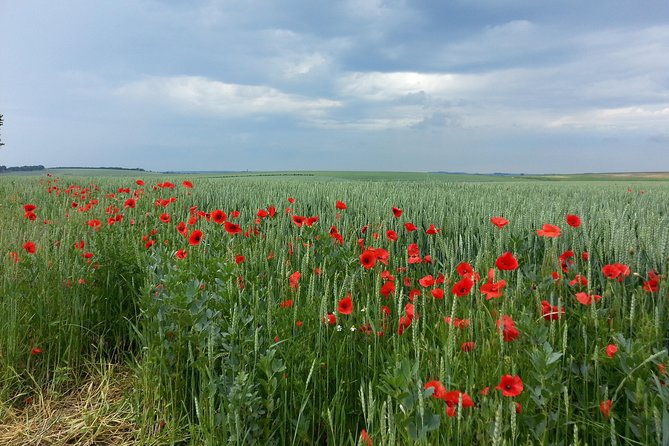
(437, 293)
(29, 207)
(187, 184)
(288, 303)
(30, 247)
(509, 330)
(432, 230)
(611, 350)
(165, 218)
(452, 400)
(549, 231)
(573, 220)
(510, 385)
(587, 299)
(235, 214)
(239, 259)
(181, 254)
(79, 245)
(218, 216)
(605, 408)
(551, 312)
(294, 280)
(340, 204)
(232, 228)
(397, 212)
(130, 203)
(392, 235)
(500, 222)
(36, 351)
(404, 323)
(426, 281)
(345, 305)
(463, 287)
(182, 229)
(368, 259)
(616, 270)
(579, 279)
(291, 200)
(468, 346)
(195, 237)
(492, 289)
(298, 220)
(387, 288)
(331, 319)
(262, 213)
(139, 182)
(566, 259)
(464, 269)
(439, 389)
(365, 438)
(410, 226)
(311, 220)
(506, 262)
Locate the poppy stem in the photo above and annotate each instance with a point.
(650, 358)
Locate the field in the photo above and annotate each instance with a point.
(333, 308)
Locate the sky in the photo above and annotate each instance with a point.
(416, 85)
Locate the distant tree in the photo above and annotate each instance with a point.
(1, 143)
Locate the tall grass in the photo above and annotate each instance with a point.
(220, 356)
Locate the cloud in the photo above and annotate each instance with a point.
(626, 118)
(199, 94)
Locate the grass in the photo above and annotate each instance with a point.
(217, 348)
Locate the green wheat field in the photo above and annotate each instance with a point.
(333, 308)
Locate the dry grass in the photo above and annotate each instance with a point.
(97, 413)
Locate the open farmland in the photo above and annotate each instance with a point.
(331, 310)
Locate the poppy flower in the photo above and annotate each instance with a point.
(549, 231)
(551, 312)
(291, 200)
(506, 262)
(492, 289)
(187, 184)
(165, 218)
(288, 303)
(331, 319)
(404, 323)
(439, 389)
(36, 351)
(500, 222)
(387, 288)
(397, 212)
(463, 287)
(139, 182)
(294, 280)
(391, 235)
(365, 438)
(468, 346)
(130, 203)
(79, 245)
(368, 259)
(509, 330)
(218, 216)
(345, 305)
(195, 237)
(566, 259)
(181, 254)
(340, 205)
(579, 279)
(239, 259)
(437, 293)
(573, 220)
(452, 400)
(410, 226)
(464, 269)
(426, 281)
(29, 207)
(510, 385)
(611, 350)
(605, 408)
(232, 228)
(616, 271)
(30, 247)
(587, 299)
(432, 230)
(262, 213)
